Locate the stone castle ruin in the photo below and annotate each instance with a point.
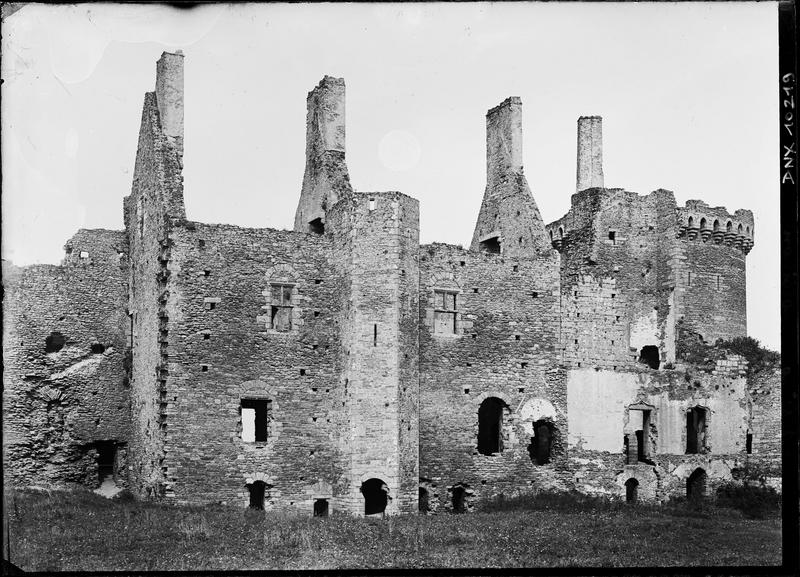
(344, 366)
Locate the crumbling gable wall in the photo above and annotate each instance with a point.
(223, 348)
(57, 405)
(153, 207)
(504, 347)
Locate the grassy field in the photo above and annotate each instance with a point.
(78, 530)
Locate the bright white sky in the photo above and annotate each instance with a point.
(687, 92)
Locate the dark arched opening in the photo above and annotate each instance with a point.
(320, 507)
(97, 348)
(650, 356)
(696, 485)
(541, 445)
(424, 502)
(631, 490)
(376, 496)
(702, 224)
(695, 431)
(459, 499)
(54, 343)
(257, 491)
(490, 424)
(316, 226)
(716, 225)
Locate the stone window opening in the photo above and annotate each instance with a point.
(256, 418)
(702, 223)
(739, 229)
(560, 232)
(257, 490)
(372, 204)
(375, 335)
(612, 236)
(691, 222)
(716, 225)
(490, 426)
(54, 342)
(97, 348)
(316, 226)
(281, 309)
(650, 356)
(718, 282)
(696, 431)
(424, 501)
(376, 496)
(637, 445)
(541, 447)
(729, 226)
(490, 245)
(551, 236)
(445, 311)
(696, 485)
(748, 443)
(320, 507)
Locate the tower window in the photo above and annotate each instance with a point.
(54, 343)
(696, 431)
(320, 507)
(281, 310)
(490, 245)
(612, 236)
(650, 356)
(316, 226)
(445, 306)
(256, 417)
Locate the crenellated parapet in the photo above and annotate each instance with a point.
(699, 222)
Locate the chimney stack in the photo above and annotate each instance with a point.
(325, 122)
(503, 142)
(169, 95)
(590, 152)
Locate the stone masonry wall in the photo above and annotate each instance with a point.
(765, 426)
(154, 205)
(223, 348)
(57, 405)
(505, 344)
(376, 238)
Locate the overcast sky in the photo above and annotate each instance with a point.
(687, 92)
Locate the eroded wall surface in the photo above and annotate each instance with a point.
(57, 405)
(505, 346)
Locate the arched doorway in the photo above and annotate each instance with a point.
(424, 502)
(376, 496)
(696, 485)
(257, 492)
(490, 426)
(631, 490)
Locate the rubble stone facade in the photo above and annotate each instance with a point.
(344, 366)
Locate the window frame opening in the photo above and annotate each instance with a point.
(632, 490)
(321, 507)
(54, 342)
(445, 311)
(490, 426)
(376, 496)
(650, 355)
(261, 419)
(541, 447)
(281, 306)
(316, 226)
(696, 430)
(491, 245)
(748, 443)
(612, 236)
(258, 493)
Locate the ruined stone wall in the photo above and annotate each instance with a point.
(57, 405)
(600, 409)
(376, 237)
(764, 461)
(326, 178)
(155, 204)
(505, 346)
(616, 282)
(223, 348)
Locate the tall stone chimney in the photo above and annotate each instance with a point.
(169, 95)
(590, 153)
(503, 142)
(509, 222)
(326, 177)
